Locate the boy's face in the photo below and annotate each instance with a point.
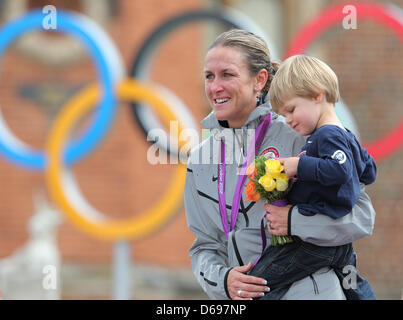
(301, 114)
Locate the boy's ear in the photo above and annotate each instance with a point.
(319, 97)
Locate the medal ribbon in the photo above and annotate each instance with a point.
(252, 151)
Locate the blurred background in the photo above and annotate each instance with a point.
(39, 75)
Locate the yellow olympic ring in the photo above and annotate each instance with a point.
(57, 175)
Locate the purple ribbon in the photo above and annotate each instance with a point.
(221, 190)
(252, 151)
(280, 203)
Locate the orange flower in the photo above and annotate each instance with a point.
(251, 171)
(251, 194)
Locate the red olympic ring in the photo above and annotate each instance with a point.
(385, 15)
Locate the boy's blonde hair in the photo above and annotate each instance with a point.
(305, 77)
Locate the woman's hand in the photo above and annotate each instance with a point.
(277, 219)
(243, 287)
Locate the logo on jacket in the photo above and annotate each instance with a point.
(339, 156)
(271, 152)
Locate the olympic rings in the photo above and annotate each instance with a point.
(388, 16)
(110, 69)
(59, 179)
(62, 154)
(65, 192)
(141, 65)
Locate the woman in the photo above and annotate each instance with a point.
(238, 73)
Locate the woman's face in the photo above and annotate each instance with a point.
(230, 89)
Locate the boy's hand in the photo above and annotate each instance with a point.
(290, 166)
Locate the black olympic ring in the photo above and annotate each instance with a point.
(142, 59)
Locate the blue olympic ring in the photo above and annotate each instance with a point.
(109, 69)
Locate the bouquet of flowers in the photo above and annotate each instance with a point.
(268, 181)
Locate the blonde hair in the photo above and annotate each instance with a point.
(254, 49)
(305, 77)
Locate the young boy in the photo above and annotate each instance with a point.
(332, 163)
(329, 171)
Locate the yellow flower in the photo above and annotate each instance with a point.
(282, 182)
(273, 167)
(267, 182)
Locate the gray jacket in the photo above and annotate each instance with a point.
(211, 254)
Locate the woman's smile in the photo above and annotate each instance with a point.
(220, 101)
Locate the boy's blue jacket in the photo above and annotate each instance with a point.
(331, 167)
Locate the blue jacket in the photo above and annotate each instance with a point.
(332, 164)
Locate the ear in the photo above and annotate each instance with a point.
(261, 79)
(319, 97)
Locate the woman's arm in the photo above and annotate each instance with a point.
(325, 231)
(208, 254)
(321, 229)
